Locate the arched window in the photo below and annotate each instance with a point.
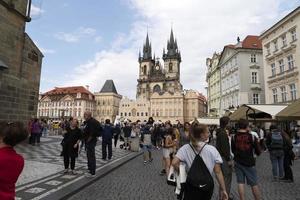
(133, 112)
(156, 88)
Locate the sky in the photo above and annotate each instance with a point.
(88, 42)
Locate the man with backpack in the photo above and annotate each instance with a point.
(92, 130)
(275, 144)
(243, 146)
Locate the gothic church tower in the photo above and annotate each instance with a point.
(154, 77)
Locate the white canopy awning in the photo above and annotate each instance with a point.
(264, 112)
(208, 121)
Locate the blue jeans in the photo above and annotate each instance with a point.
(277, 158)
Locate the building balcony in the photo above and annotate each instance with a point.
(284, 75)
(255, 86)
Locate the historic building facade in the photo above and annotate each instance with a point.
(65, 102)
(159, 91)
(153, 77)
(134, 109)
(107, 102)
(213, 87)
(281, 50)
(242, 75)
(20, 63)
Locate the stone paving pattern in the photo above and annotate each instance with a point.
(134, 181)
(44, 166)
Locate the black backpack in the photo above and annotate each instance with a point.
(199, 180)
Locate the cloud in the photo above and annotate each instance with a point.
(98, 39)
(201, 28)
(75, 36)
(36, 11)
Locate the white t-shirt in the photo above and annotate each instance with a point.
(209, 154)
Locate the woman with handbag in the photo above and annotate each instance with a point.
(70, 145)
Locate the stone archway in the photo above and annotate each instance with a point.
(156, 88)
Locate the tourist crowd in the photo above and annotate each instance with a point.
(193, 154)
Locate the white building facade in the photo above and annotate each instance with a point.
(65, 102)
(242, 75)
(281, 50)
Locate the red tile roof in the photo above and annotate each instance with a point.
(252, 42)
(69, 90)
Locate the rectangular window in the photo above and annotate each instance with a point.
(283, 38)
(293, 92)
(294, 36)
(254, 77)
(281, 65)
(283, 94)
(290, 60)
(253, 58)
(268, 50)
(273, 68)
(275, 46)
(255, 98)
(275, 96)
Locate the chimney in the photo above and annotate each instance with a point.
(87, 87)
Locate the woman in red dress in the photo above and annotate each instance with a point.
(11, 163)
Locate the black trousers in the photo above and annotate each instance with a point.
(288, 173)
(91, 157)
(116, 137)
(34, 138)
(106, 145)
(67, 159)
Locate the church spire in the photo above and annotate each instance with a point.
(172, 48)
(147, 49)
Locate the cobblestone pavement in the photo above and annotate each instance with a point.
(42, 174)
(136, 181)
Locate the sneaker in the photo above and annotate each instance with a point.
(66, 171)
(73, 172)
(151, 159)
(145, 162)
(89, 175)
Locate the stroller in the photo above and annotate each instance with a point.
(122, 142)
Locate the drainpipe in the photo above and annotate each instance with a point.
(28, 11)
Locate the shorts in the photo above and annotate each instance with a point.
(245, 173)
(147, 147)
(167, 152)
